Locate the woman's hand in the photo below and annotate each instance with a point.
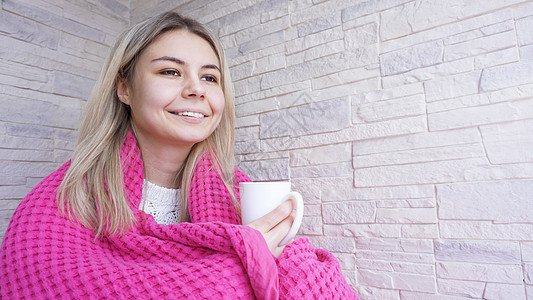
(275, 225)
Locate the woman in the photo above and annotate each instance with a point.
(158, 126)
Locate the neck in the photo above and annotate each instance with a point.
(162, 163)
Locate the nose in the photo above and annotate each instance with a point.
(193, 89)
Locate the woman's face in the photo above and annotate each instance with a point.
(175, 95)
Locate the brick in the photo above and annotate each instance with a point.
(389, 109)
(486, 201)
(387, 128)
(496, 291)
(493, 59)
(312, 118)
(465, 288)
(480, 45)
(422, 258)
(344, 192)
(477, 251)
(313, 189)
(266, 170)
(422, 269)
(26, 30)
(415, 57)
(408, 295)
(303, 13)
(420, 155)
(482, 272)
(408, 282)
(346, 260)
(368, 7)
(401, 203)
(26, 155)
(527, 251)
(508, 142)
(419, 173)
(406, 215)
(375, 279)
(364, 230)
(474, 116)
(374, 265)
(265, 41)
(247, 121)
(485, 230)
(246, 86)
(71, 85)
(420, 231)
(504, 95)
(338, 169)
(394, 245)
(322, 50)
(12, 180)
(13, 142)
(246, 133)
(269, 63)
(313, 210)
(311, 226)
(361, 36)
(523, 26)
(23, 168)
(344, 77)
(319, 67)
(429, 72)
(500, 172)
(61, 156)
(372, 293)
(506, 76)
(334, 244)
(60, 22)
(349, 212)
(529, 291)
(319, 24)
(389, 93)
(13, 192)
(453, 86)
(528, 273)
(313, 40)
(247, 147)
(321, 155)
(9, 204)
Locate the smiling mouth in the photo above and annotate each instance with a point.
(189, 114)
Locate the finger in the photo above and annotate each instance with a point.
(273, 218)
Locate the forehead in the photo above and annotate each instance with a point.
(184, 45)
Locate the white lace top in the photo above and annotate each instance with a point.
(161, 202)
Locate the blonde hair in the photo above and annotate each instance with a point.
(92, 191)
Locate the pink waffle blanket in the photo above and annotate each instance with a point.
(45, 256)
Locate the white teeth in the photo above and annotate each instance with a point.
(191, 114)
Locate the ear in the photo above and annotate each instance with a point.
(123, 90)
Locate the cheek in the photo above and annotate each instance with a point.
(155, 95)
(219, 103)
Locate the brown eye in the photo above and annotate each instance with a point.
(210, 78)
(170, 72)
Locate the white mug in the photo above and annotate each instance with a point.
(260, 198)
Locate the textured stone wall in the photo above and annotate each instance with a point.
(51, 52)
(406, 124)
(408, 127)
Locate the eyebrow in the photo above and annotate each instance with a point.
(181, 62)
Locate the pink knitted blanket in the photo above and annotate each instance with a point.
(45, 256)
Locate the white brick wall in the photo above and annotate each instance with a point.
(406, 124)
(50, 54)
